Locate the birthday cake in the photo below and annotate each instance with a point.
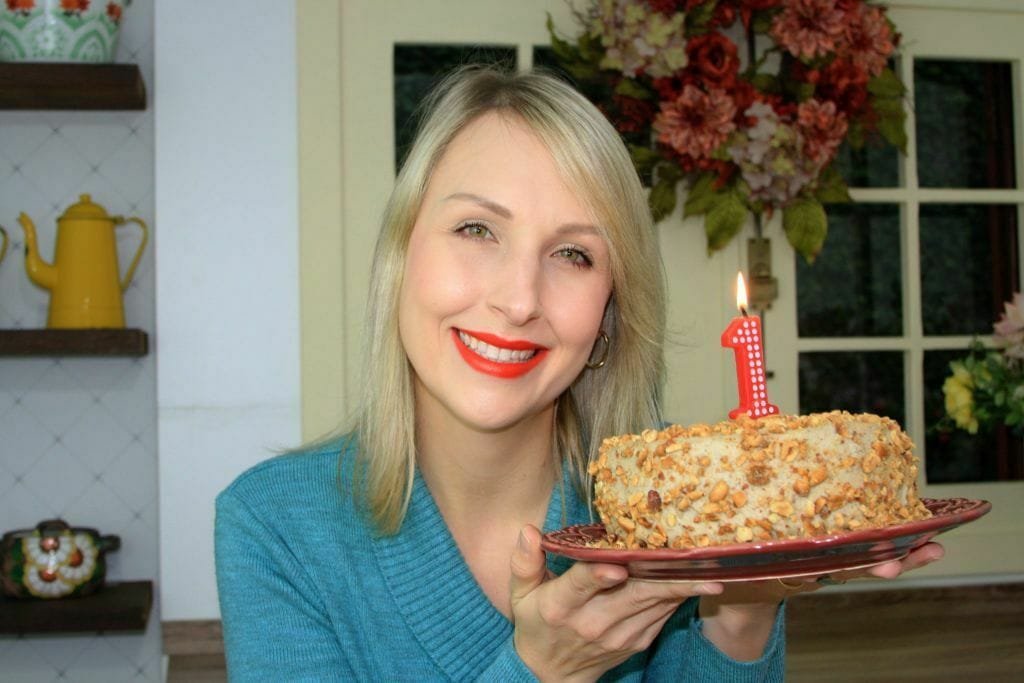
(751, 480)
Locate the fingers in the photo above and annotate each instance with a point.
(584, 580)
(528, 567)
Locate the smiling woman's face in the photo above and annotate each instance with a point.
(506, 281)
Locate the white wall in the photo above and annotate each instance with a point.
(227, 339)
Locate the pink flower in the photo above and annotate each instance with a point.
(822, 128)
(696, 123)
(868, 39)
(1009, 330)
(808, 28)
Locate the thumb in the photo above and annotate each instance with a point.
(528, 567)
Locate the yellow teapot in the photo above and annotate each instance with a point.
(3, 244)
(84, 279)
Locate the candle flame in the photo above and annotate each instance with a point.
(741, 293)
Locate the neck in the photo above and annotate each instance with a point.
(481, 478)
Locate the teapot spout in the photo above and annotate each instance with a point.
(39, 271)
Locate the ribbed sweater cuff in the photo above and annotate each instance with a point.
(715, 665)
(507, 666)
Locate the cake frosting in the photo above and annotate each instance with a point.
(750, 480)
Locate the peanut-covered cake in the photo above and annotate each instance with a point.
(776, 477)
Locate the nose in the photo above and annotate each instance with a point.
(516, 289)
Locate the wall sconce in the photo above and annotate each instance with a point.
(763, 288)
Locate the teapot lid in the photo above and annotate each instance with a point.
(85, 208)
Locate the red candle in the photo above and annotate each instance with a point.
(743, 336)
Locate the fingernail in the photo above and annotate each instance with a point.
(523, 546)
(709, 588)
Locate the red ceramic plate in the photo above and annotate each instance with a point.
(771, 559)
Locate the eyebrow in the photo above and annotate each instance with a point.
(497, 208)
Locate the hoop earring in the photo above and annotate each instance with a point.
(594, 365)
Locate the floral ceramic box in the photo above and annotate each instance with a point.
(60, 30)
(54, 560)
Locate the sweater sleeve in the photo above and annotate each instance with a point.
(682, 653)
(274, 622)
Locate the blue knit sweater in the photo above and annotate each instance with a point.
(308, 592)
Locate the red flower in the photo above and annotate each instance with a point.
(726, 11)
(808, 28)
(670, 7)
(114, 12)
(713, 59)
(846, 84)
(696, 123)
(74, 6)
(23, 6)
(823, 129)
(629, 114)
(868, 38)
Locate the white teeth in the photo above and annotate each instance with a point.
(494, 353)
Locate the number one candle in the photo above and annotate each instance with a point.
(743, 336)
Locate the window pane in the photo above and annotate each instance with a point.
(544, 56)
(872, 165)
(860, 382)
(968, 266)
(853, 287)
(418, 68)
(964, 113)
(958, 456)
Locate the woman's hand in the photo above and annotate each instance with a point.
(579, 625)
(739, 620)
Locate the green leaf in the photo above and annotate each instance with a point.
(803, 91)
(891, 124)
(724, 220)
(590, 48)
(762, 22)
(644, 159)
(701, 196)
(832, 188)
(806, 226)
(563, 50)
(766, 83)
(630, 88)
(886, 84)
(662, 198)
(855, 134)
(699, 17)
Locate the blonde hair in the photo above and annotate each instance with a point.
(623, 395)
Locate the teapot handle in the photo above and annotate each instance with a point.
(120, 220)
(3, 247)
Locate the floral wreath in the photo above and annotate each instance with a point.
(755, 139)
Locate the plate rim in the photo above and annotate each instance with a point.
(976, 508)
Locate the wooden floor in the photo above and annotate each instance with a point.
(971, 633)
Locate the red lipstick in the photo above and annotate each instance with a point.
(493, 368)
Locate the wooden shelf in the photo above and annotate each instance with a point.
(117, 607)
(87, 342)
(38, 85)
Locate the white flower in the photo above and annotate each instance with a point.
(81, 573)
(46, 589)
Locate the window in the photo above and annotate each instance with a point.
(912, 272)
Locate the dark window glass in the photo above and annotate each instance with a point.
(968, 266)
(418, 68)
(857, 381)
(964, 113)
(853, 288)
(873, 165)
(544, 57)
(957, 456)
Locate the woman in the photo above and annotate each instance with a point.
(516, 319)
